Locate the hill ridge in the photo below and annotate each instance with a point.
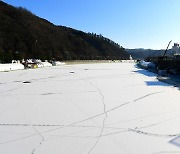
(25, 35)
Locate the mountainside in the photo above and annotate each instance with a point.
(24, 35)
(144, 53)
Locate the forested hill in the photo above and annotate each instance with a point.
(145, 53)
(24, 35)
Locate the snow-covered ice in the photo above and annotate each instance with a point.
(11, 67)
(110, 108)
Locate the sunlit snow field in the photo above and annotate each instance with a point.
(103, 108)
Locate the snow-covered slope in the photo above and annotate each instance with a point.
(112, 108)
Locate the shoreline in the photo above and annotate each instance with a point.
(7, 67)
(172, 80)
(69, 62)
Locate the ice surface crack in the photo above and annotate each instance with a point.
(42, 139)
(166, 152)
(153, 134)
(77, 122)
(147, 96)
(33, 127)
(104, 112)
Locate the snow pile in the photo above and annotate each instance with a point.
(57, 63)
(39, 65)
(46, 64)
(11, 67)
(146, 65)
(128, 61)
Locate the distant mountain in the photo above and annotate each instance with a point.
(24, 35)
(144, 53)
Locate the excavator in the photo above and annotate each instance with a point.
(167, 48)
(163, 64)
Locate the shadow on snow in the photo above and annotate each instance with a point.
(150, 74)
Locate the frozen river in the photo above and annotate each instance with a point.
(110, 108)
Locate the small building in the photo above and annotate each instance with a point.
(176, 49)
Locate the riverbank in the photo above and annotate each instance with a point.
(167, 78)
(96, 61)
(170, 79)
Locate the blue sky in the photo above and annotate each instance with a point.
(131, 23)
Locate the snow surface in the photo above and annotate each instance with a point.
(11, 67)
(112, 108)
(46, 64)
